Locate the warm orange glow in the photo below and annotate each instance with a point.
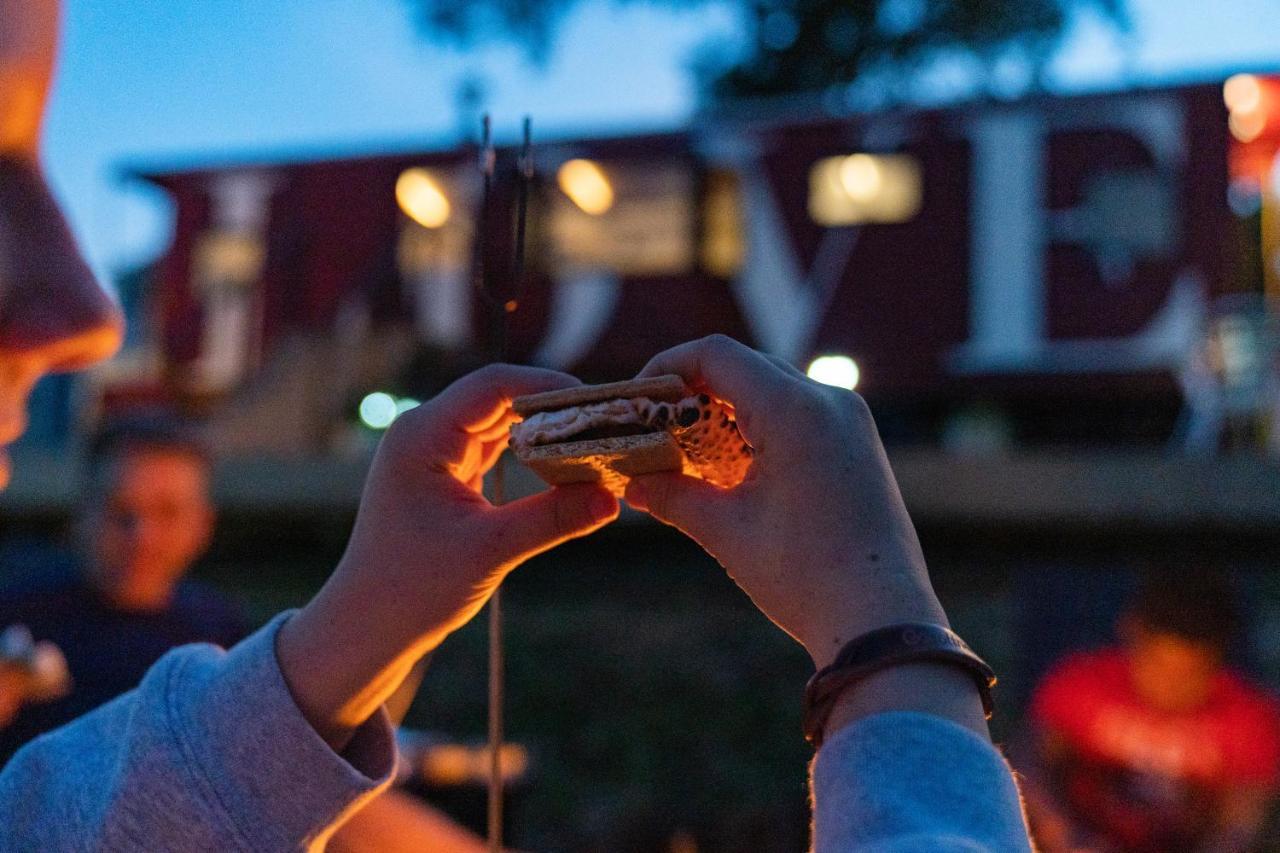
(586, 185)
(455, 764)
(1247, 126)
(422, 200)
(21, 109)
(1242, 93)
(447, 765)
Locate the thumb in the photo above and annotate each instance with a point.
(693, 505)
(519, 530)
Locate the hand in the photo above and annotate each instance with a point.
(817, 534)
(427, 550)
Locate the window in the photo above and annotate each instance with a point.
(633, 218)
(859, 189)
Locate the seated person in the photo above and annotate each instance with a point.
(144, 518)
(1154, 745)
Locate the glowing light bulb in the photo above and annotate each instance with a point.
(421, 198)
(860, 176)
(838, 370)
(586, 185)
(378, 410)
(1242, 93)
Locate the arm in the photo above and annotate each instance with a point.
(395, 822)
(275, 744)
(908, 781)
(820, 540)
(209, 753)
(427, 550)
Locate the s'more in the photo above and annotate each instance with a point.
(610, 433)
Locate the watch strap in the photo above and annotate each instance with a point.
(894, 645)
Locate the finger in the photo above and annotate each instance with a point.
(480, 400)
(491, 453)
(786, 366)
(688, 503)
(529, 526)
(497, 430)
(740, 376)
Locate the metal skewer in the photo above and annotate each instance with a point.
(500, 305)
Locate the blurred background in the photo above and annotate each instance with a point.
(1041, 238)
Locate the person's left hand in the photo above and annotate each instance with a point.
(428, 549)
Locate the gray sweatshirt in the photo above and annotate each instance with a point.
(210, 753)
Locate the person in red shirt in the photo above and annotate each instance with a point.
(1154, 745)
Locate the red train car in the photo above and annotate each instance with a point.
(1057, 259)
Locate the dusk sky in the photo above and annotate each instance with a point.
(186, 81)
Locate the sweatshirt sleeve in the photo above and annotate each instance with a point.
(901, 782)
(210, 753)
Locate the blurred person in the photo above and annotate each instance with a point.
(1155, 744)
(275, 743)
(145, 517)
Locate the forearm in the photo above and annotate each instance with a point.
(343, 656)
(938, 689)
(28, 42)
(904, 781)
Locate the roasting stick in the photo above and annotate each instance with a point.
(501, 304)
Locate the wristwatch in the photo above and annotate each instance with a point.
(908, 642)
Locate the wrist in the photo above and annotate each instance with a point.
(339, 669)
(938, 689)
(888, 604)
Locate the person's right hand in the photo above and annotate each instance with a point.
(427, 550)
(817, 534)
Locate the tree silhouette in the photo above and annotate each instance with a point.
(801, 46)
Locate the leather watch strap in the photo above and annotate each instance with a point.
(911, 642)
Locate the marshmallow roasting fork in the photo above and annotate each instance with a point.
(603, 433)
(501, 302)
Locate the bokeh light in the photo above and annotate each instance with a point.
(586, 185)
(838, 370)
(378, 410)
(422, 200)
(860, 177)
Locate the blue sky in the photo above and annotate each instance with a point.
(182, 80)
